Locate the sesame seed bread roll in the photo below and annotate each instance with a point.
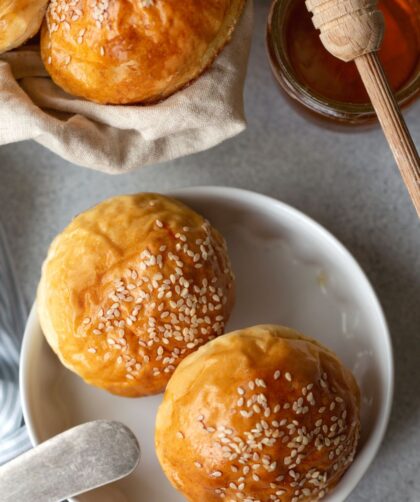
(258, 415)
(19, 20)
(133, 51)
(130, 288)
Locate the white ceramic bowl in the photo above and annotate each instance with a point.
(289, 271)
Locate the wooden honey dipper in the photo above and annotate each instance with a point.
(352, 30)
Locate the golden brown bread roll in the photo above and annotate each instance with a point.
(130, 288)
(261, 414)
(19, 20)
(133, 51)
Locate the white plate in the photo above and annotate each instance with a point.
(289, 271)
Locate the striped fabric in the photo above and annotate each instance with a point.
(13, 436)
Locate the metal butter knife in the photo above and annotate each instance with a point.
(78, 460)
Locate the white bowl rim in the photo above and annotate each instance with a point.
(374, 441)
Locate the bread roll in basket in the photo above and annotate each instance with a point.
(133, 51)
(19, 20)
(195, 107)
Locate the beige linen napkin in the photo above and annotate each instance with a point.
(116, 139)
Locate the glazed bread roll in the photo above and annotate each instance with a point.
(133, 51)
(130, 288)
(261, 414)
(19, 20)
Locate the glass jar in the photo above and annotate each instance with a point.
(329, 111)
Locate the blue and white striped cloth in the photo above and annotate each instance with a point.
(13, 437)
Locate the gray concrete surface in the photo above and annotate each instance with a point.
(347, 182)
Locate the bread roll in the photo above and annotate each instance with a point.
(19, 20)
(130, 288)
(133, 51)
(261, 414)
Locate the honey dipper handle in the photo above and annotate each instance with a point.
(353, 30)
(392, 123)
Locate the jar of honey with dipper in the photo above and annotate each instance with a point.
(330, 89)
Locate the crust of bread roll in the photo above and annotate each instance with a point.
(130, 288)
(261, 414)
(19, 20)
(126, 51)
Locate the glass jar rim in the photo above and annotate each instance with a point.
(289, 81)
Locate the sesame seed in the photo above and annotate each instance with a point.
(288, 376)
(260, 383)
(216, 474)
(277, 375)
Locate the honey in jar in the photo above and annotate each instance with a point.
(329, 86)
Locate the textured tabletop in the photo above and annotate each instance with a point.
(347, 182)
